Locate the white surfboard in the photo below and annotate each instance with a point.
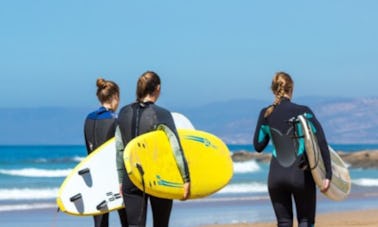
(181, 121)
(341, 182)
(92, 187)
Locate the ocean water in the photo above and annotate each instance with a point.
(30, 177)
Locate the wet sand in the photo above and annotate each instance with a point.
(365, 218)
(49, 218)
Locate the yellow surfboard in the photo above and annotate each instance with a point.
(151, 164)
(92, 187)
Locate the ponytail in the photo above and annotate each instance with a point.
(147, 84)
(282, 84)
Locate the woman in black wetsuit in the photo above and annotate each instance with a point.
(289, 176)
(99, 127)
(135, 119)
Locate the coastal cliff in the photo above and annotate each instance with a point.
(358, 159)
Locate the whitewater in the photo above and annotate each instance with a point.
(30, 176)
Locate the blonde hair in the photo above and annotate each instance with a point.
(106, 89)
(282, 84)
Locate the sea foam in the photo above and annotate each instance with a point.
(13, 207)
(246, 167)
(28, 193)
(33, 172)
(252, 187)
(367, 182)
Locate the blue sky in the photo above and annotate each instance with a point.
(204, 50)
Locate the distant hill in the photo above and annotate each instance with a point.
(344, 120)
(47, 125)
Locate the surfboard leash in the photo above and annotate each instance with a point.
(294, 121)
(314, 140)
(141, 172)
(305, 164)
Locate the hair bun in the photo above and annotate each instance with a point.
(101, 83)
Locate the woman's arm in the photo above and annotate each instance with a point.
(120, 147)
(178, 153)
(261, 136)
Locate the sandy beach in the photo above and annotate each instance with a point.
(49, 218)
(360, 209)
(366, 218)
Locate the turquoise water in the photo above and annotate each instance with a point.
(336, 147)
(31, 175)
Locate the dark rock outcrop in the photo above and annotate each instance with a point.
(361, 159)
(358, 159)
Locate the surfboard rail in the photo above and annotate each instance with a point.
(341, 181)
(209, 162)
(92, 188)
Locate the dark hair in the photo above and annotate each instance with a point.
(147, 84)
(281, 84)
(106, 89)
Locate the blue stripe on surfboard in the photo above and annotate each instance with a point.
(202, 140)
(166, 183)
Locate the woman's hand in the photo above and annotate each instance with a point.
(326, 185)
(120, 190)
(186, 191)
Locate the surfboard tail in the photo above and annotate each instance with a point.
(340, 182)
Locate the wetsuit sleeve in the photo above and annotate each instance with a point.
(184, 170)
(179, 154)
(86, 138)
(261, 136)
(120, 147)
(323, 144)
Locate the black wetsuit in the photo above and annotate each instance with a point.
(136, 119)
(287, 175)
(99, 127)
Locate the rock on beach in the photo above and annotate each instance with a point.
(358, 159)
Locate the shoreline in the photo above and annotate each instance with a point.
(49, 217)
(359, 209)
(366, 218)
